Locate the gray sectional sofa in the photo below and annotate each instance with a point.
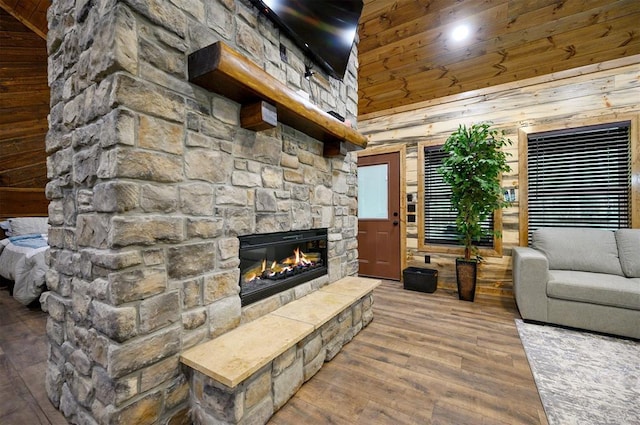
(582, 278)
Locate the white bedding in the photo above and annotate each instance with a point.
(24, 265)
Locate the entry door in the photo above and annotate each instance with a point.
(379, 215)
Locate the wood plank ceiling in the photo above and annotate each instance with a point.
(407, 54)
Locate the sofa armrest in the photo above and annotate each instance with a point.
(530, 276)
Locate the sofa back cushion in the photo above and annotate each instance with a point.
(581, 249)
(629, 251)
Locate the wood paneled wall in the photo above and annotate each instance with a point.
(24, 105)
(593, 94)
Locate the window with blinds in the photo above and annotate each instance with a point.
(579, 177)
(439, 216)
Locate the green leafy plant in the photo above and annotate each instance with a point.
(473, 168)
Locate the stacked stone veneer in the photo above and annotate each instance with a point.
(151, 182)
(256, 399)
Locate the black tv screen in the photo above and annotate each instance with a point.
(324, 29)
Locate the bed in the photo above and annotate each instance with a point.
(22, 260)
(23, 243)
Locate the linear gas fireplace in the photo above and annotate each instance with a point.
(274, 262)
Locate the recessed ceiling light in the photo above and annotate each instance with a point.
(461, 32)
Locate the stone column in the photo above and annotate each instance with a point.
(151, 181)
(126, 285)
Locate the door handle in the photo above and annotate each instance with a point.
(395, 222)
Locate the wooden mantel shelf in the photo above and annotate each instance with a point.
(222, 70)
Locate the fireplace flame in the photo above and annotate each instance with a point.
(298, 262)
(298, 258)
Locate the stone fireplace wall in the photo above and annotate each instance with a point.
(151, 181)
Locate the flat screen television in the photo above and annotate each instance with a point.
(323, 29)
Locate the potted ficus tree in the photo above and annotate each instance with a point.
(473, 168)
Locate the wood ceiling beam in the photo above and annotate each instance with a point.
(32, 13)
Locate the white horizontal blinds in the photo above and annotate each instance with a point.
(579, 177)
(439, 217)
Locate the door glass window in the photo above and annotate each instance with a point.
(372, 191)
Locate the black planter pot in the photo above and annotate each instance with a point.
(466, 276)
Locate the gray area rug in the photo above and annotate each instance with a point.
(583, 378)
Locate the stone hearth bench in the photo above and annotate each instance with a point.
(247, 374)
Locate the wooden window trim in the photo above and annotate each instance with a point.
(449, 249)
(523, 185)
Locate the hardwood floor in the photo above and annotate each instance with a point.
(425, 359)
(23, 360)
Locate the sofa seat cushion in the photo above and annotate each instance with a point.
(580, 249)
(629, 251)
(594, 288)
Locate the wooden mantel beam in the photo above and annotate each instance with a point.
(222, 70)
